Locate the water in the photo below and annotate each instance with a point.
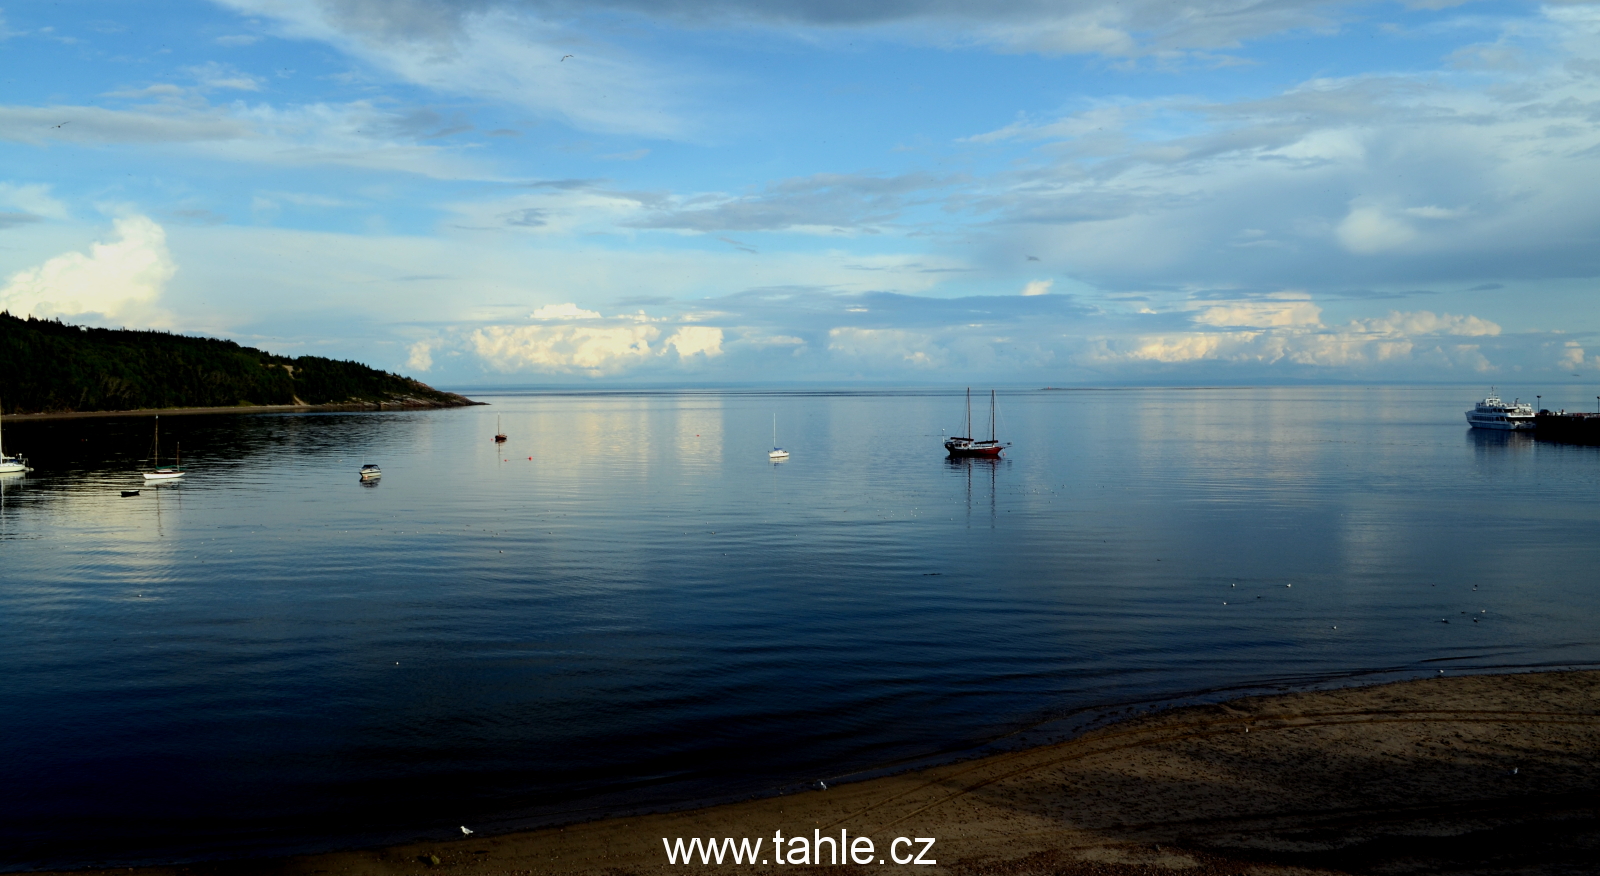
(275, 657)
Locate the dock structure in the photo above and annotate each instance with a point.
(1570, 427)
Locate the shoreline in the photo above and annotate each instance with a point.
(1476, 773)
(246, 409)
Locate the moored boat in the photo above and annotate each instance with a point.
(777, 453)
(969, 446)
(1494, 413)
(499, 434)
(370, 471)
(10, 464)
(164, 473)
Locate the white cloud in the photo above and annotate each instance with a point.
(421, 358)
(1037, 287)
(891, 347)
(1289, 331)
(116, 279)
(1367, 230)
(214, 75)
(595, 351)
(348, 135)
(496, 52)
(1276, 310)
(693, 339)
(563, 311)
(33, 198)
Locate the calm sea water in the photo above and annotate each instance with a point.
(626, 606)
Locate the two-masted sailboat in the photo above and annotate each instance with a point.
(969, 446)
(164, 473)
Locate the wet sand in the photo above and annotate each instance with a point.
(1476, 774)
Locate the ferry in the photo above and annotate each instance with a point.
(1492, 413)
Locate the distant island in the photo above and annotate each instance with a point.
(51, 367)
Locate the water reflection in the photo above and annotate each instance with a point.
(1499, 441)
(617, 608)
(987, 472)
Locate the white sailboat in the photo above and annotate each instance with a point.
(167, 473)
(777, 452)
(10, 464)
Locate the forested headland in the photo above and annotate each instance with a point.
(47, 366)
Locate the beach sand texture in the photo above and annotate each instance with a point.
(1409, 777)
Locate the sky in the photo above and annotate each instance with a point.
(1079, 192)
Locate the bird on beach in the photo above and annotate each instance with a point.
(466, 831)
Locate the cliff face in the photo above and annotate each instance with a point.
(47, 367)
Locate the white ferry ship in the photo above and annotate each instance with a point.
(1492, 413)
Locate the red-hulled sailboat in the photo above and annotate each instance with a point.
(969, 446)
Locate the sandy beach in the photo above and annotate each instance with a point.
(1471, 774)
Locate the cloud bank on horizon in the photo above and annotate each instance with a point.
(528, 191)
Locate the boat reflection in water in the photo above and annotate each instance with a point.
(984, 467)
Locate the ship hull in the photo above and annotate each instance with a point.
(1519, 424)
(980, 449)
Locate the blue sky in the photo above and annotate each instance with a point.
(537, 191)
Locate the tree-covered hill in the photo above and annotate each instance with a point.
(48, 366)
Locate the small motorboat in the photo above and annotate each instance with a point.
(368, 472)
(127, 493)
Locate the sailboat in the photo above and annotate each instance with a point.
(777, 452)
(499, 434)
(164, 473)
(10, 464)
(969, 446)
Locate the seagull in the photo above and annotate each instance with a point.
(1033, 258)
(1513, 771)
(63, 123)
(466, 831)
(564, 57)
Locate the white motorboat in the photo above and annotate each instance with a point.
(1493, 413)
(369, 472)
(777, 452)
(10, 464)
(164, 473)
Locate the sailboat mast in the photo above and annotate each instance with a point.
(969, 412)
(991, 415)
(774, 430)
(158, 441)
